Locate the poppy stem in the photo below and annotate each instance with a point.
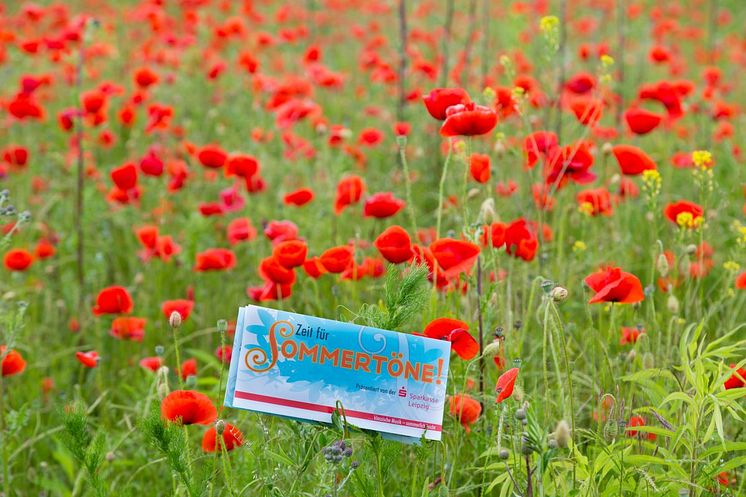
(563, 343)
(445, 50)
(562, 57)
(3, 434)
(481, 332)
(441, 189)
(485, 40)
(622, 32)
(402, 142)
(174, 332)
(79, 198)
(468, 44)
(402, 59)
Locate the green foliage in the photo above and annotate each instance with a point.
(405, 296)
(87, 449)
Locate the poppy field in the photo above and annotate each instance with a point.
(557, 188)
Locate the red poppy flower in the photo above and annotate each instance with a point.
(269, 291)
(741, 281)
(13, 363)
(113, 300)
(182, 306)
(581, 83)
(128, 328)
(16, 156)
(737, 379)
(632, 160)
(349, 191)
(505, 384)
(337, 259)
(684, 213)
(279, 231)
(454, 256)
(638, 421)
(572, 162)
(232, 438)
(440, 99)
(240, 229)
(212, 156)
(394, 245)
(456, 332)
(479, 167)
(242, 165)
(188, 407)
(370, 137)
(538, 144)
(465, 408)
(88, 359)
(270, 269)
(215, 259)
(291, 253)
(152, 363)
(382, 205)
(18, 259)
(519, 240)
(313, 267)
(596, 200)
(145, 77)
(188, 368)
(630, 335)
(44, 249)
(299, 197)
(641, 121)
(611, 284)
(224, 353)
(468, 120)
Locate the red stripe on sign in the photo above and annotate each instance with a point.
(297, 404)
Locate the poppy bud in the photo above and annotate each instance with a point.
(504, 454)
(611, 430)
(499, 149)
(491, 349)
(472, 193)
(562, 433)
(163, 390)
(607, 148)
(520, 414)
(110, 456)
(219, 426)
(191, 381)
(691, 248)
(662, 265)
(487, 211)
(552, 443)
(648, 360)
(159, 350)
(672, 304)
(558, 294)
(174, 321)
(139, 278)
(631, 355)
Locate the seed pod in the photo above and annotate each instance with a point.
(611, 430)
(503, 454)
(558, 293)
(662, 265)
(219, 426)
(174, 320)
(562, 433)
(520, 414)
(672, 304)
